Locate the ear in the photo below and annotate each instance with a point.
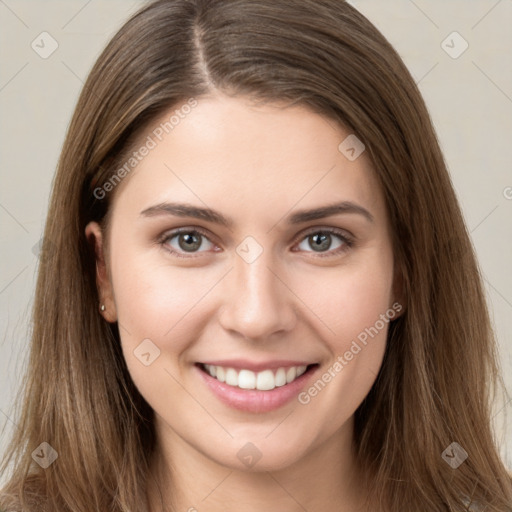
(94, 236)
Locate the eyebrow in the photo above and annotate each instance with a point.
(207, 214)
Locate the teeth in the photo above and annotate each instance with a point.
(220, 373)
(301, 370)
(265, 380)
(291, 373)
(262, 381)
(280, 377)
(246, 380)
(231, 377)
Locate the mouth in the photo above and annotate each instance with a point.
(265, 380)
(259, 388)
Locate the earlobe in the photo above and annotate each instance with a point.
(95, 239)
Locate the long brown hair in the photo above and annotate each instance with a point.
(435, 385)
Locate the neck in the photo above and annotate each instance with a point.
(184, 479)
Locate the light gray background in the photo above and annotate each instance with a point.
(470, 100)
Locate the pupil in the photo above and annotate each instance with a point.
(189, 242)
(321, 241)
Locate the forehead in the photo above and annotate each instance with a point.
(235, 155)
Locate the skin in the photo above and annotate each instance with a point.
(257, 165)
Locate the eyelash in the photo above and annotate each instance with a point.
(348, 242)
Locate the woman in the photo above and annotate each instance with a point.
(263, 294)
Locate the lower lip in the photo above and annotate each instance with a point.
(253, 400)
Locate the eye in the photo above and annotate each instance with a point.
(189, 241)
(329, 241)
(185, 240)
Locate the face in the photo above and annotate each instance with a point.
(250, 269)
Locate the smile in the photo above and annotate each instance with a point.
(255, 388)
(265, 380)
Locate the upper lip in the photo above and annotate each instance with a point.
(243, 364)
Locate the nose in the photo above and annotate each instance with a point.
(257, 303)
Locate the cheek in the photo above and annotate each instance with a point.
(156, 301)
(151, 294)
(157, 307)
(354, 307)
(350, 299)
